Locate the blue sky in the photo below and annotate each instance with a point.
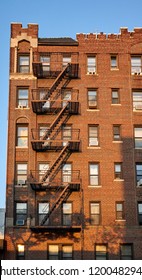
(58, 18)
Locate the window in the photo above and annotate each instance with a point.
(22, 136)
(101, 252)
(118, 171)
(92, 99)
(67, 214)
(93, 136)
(137, 99)
(45, 59)
(113, 61)
(91, 65)
(67, 173)
(43, 209)
(126, 252)
(139, 174)
(24, 64)
(53, 252)
(66, 134)
(120, 211)
(20, 252)
(138, 137)
(140, 213)
(66, 96)
(67, 252)
(95, 215)
(116, 133)
(94, 174)
(21, 173)
(66, 60)
(43, 167)
(136, 64)
(61, 251)
(115, 96)
(22, 97)
(43, 129)
(21, 213)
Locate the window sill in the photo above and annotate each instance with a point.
(20, 148)
(116, 104)
(93, 147)
(22, 108)
(118, 180)
(98, 186)
(114, 68)
(21, 186)
(123, 220)
(117, 141)
(93, 110)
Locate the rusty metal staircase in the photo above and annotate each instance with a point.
(62, 197)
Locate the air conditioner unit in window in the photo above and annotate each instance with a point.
(138, 107)
(21, 182)
(20, 222)
(139, 183)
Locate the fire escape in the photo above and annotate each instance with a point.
(51, 102)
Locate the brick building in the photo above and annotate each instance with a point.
(74, 168)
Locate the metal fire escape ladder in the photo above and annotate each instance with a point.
(58, 159)
(57, 81)
(55, 122)
(64, 194)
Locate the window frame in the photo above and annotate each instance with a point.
(137, 99)
(116, 132)
(120, 214)
(136, 69)
(22, 102)
(92, 100)
(67, 214)
(138, 173)
(91, 66)
(45, 59)
(139, 213)
(23, 173)
(101, 255)
(137, 138)
(23, 138)
(123, 256)
(114, 61)
(95, 217)
(42, 215)
(97, 175)
(60, 253)
(21, 65)
(20, 255)
(118, 175)
(115, 100)
(91, 138)
(23, 214)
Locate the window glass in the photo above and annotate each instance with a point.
(21, 213)
(21, 172)
(115, 97)
(67, 172)
(22, 100)
(67, 252)
(45, 59)
(22, 136)
(137, 100)
(118, 170)
(113, 61)
(92, 99)
(95, 213)
(138, 137)
(101, 252)
(94, 174)
(53, 252)
(43, 209)
(119, 211)
(136, 66)
(126, 252)
(91, 65)
(67, 214)
(24, 62)
(20, 252)
(93, 136)
(139, 174)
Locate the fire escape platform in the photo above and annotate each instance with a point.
(39, 186)
(39, 72)
(42, 107)
(54, 145)
(56, 228)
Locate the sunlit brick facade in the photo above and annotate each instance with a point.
(74, 167)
